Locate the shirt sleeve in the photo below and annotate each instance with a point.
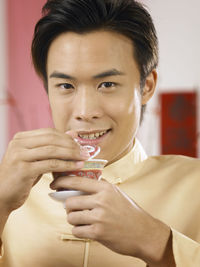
(186, 251)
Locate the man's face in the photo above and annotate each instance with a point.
(94, 89)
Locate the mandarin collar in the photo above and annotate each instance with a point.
(121, 170)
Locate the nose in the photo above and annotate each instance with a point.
(87, 105)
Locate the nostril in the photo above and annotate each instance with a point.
(79, 119)
(87, 118)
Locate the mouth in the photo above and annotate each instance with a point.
(92, 137)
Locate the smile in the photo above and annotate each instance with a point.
(92, 136)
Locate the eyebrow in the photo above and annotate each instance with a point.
(108, 73)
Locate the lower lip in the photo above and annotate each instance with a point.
(92, 141)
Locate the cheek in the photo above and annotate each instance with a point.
(60, 113)
(134, 106)
(127, 111)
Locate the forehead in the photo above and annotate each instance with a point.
(91, 52)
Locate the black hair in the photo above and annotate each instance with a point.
(127, 17)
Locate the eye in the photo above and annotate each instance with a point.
(65, 86)
(107, 85)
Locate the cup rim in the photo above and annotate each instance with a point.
(98, 160)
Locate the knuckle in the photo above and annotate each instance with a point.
(97, 231)
(13, 152)
(12, 144)
(69, 204)
(17, 135)
(53, 164)
(70, 165)
(100, 216)
(102, 198)
(15, 157)
(98, 200)
(76, 232)
(70, 218)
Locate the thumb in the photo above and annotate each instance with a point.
(73, 134)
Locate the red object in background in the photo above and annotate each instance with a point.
(179, 123)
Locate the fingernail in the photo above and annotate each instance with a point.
(79, 164)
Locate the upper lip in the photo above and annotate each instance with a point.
(91, 132)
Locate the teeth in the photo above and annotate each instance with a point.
(92, 136)
(102, 133)
(97, 135)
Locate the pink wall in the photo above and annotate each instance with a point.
(28, 102)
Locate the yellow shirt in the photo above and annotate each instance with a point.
(168, 187)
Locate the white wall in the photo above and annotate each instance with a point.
(178, 26)
(2, 77)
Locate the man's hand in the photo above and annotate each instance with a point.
(31, 154)
(110, 217)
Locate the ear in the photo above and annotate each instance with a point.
(149, 87)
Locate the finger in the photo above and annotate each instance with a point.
(48, 139)
(56, 152)
(54, 165)
(87, 185)
(73, 134)
(46, 136)
(77, 203)
(52, 138)
(85, 231)
(42, 131)
(83, 217)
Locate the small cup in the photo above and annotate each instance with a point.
(92, 169)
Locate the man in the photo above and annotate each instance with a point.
(97, 59)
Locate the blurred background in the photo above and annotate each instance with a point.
(172, 121)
